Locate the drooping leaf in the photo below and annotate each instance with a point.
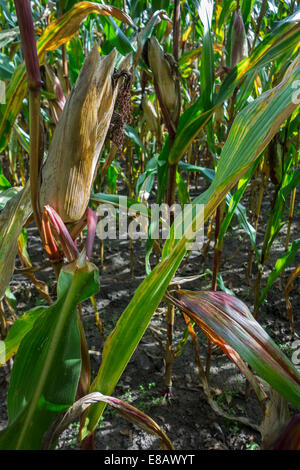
(231, 319)
(115, 38)
(126, 410)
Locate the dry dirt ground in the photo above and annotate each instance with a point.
(188, 419)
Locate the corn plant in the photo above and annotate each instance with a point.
(169, 91)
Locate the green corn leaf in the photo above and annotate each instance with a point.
(115, 38)
(11, 298)
(122, 202)
(205, 10)
(284, 39)
(18, 330)
(133, 135)
(6, 67)
(246, 9)
(160, 5)
(183, 194)
(75, 58)
(208, 173)
(228, 7)
(129, 329)
(232, 201)
(236, 208)
(293, 182)
(22, 137)
(50, 356)
(245, 91)
(4, 183)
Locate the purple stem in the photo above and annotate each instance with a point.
(68, 245)
(25, 21)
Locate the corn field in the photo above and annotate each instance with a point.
(165, 134)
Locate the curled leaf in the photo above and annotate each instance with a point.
(129, 412)
(230, 319)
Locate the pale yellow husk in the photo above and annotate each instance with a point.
(164, 75)
(68, 173)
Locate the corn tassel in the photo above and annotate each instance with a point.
(239, 46)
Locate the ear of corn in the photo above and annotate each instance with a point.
(68, 173)
(239, 47)
(163, 67)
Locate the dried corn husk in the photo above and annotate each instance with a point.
(68, 173)
(151, 116)
(163, 68)
(239, 46)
